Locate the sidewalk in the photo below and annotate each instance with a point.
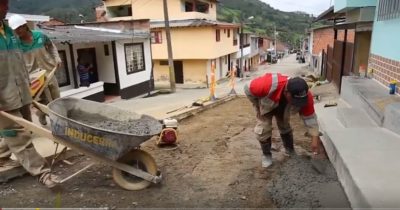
(360, 139)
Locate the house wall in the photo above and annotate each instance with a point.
(345, 5)
(194, 43)
(321, 39)
(385, 50)
(135, 78)
(153, 10)
(350, 35)
(194, 72)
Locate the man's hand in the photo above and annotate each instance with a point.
(59, 64)
(317, 147)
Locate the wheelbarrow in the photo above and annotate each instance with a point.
(133, 168)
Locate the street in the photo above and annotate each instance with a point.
(217, 164)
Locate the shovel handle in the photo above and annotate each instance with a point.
(41, 107)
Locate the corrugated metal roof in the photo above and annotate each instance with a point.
(82, 34)
(191, 23)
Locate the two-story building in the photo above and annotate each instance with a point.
(198, 39)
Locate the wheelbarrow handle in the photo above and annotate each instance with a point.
(43, 108)
(46, 83)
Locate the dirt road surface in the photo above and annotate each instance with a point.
(216, 165)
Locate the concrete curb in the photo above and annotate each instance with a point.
(197, 110)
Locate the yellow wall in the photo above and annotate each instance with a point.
(194, 72)
(153, 10)
(195, 43)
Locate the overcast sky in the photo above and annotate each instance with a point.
(310, 6)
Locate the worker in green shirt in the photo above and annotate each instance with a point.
(39, 54)
(15, 99)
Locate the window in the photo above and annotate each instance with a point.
(164, 63)
(388, 9)
(229, 33)
(189, 6)
(196, 6)
(218, 35)
(156, 37)
(106, 50)
(120, 11)
(134, 57)
(235, 39)
(62, 74)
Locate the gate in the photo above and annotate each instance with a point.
(329, 63)
(337, 63)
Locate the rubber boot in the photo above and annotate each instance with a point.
(266, 160)
(287, 140)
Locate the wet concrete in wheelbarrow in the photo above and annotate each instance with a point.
(217, 164)
(141, 127)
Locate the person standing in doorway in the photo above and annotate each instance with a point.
(84, 72)
(40, 53)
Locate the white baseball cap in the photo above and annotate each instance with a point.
(16, 21)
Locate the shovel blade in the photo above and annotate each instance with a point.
(319, 165)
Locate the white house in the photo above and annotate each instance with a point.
(119, 52)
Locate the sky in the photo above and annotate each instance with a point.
(314, 7)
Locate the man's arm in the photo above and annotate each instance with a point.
(254, 100)
(309, 117)
(52, 49)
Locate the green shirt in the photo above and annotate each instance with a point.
(41, 53)
(14, 78)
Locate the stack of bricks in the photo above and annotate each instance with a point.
(385, 70)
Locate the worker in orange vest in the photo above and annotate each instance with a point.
(277, 95)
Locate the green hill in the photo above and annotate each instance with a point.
(66, 10)
(290, 25)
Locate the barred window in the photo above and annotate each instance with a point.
(388, 9)
(134, 55)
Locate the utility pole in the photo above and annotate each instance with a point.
(276, 44)
(169, 45)
(241, 69)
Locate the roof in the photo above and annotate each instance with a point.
(32, 18)
(329, 14)
(191, 23)
(84, 34)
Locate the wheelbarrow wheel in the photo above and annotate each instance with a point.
(140, 160)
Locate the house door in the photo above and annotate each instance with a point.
(229, 62)
(88, 57)
(178, 66)
(221, 62)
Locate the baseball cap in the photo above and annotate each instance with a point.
(298, 89)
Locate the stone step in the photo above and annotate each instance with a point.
(355, 118)
(366, 161)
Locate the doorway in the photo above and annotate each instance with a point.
(178, 66)
(88, 57)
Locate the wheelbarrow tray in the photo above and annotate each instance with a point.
(106, 142)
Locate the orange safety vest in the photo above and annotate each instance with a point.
(269, 88)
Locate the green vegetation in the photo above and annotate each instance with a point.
(65, 10)
(290, 25)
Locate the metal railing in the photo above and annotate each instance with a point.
(388, 9)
